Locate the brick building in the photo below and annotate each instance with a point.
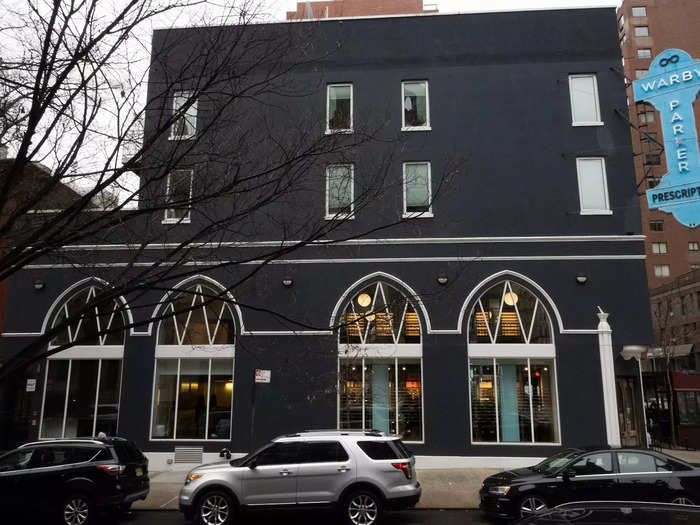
(346, 8)
(646, 28)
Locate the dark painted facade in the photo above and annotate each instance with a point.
(500, 114)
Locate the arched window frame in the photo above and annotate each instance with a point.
(366, 354)
(527, 352)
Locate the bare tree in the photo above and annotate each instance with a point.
(220, 101)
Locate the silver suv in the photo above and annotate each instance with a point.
(360, 472)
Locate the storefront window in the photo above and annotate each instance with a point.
(81, 398)
(689, 408)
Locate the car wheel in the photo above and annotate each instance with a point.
(683, 500)
(362, 507)
(215, 508)
(77, 510)
(531, 504)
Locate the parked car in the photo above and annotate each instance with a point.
(362, 473)
(581, 475)
(616, 513)
(72, 478)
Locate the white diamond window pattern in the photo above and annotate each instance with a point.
(84, 320)
(199, 317)
(380, 314)
(509, 313)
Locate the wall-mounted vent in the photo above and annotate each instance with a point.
(188, 454)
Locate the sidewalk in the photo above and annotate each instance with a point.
(442, 489)
(689, 456)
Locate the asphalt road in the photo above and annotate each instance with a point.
(414, 517)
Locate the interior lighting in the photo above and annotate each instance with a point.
(364, 299)
(511, 298)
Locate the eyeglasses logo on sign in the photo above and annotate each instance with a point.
(672, 86)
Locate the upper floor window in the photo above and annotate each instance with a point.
(644, 53)
(339, 108)
(646, 117)
(340, 191)
(585, 104)
(659, 247)
(641, 31)
(640, 73)
(417, 190)
(184, 116)
(178, 195)
(656, 226)
(416, 105)
(652, 159)
(639, 11)
(593, 186)
(662, 270)
(693, 246)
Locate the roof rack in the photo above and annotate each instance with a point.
(64, 440)
(345, 432)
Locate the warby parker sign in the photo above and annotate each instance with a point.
(671, 86)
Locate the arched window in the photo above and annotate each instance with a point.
(512, 368)
(82, 383)
(380, 363)
(193, 388)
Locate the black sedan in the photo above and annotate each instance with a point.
(616, 513)
(586, 475)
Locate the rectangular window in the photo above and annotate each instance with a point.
(652, 159)
(340, 191)
(689, 407)
(593, 186)
(417, 190)
(178, 194)
(641, 31)
(653, 182)
(644, 53)
(659, 247)
(639, 11)
(656, 226)
(693, 246)
(646, 117)
(81, 398)
(649, 136)
(192, 399)
(516, 404)
(416, 106)
(384, 394)
(585, 104)
(339, 108)
(184, 116)
(640, 73)
(662, 270)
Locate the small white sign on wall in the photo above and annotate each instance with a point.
(31, 385)
(262, 376)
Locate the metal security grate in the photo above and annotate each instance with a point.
(188, 454)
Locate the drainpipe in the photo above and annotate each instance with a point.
(607, 374)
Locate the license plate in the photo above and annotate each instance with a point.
(139, 471)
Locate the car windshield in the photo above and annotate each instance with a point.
(555, 462)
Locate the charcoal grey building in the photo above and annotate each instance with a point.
(484, 326)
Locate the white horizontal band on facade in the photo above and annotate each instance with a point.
(361, 260)
(90, 352)
(360, 242)
(477, 350)
(199, 351)
(288, 332)
(379, 351)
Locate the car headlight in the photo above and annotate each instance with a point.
(191, 477)
(499, 490)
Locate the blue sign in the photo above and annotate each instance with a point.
(671, 86)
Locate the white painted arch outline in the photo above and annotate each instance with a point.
(202, 279)
(72, 289)
(402, 286)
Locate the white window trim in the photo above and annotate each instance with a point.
(509, 443)
(177, 398)
(396, 387)
(90, 352)
(173, 220)
(195, 351)
(419, 214)
(380, 351)
(576, 123)
(515, 351)
(330, 131)
(426, 127)
(607, 210)
(341, 216)
(192, 108)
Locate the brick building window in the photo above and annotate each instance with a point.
(639, 11)
(652, 159)
(646, 117)
(693, 246)
(659, 247)
(641, 73)
(641, 31)
(644, 53)
(656, 226)
(662, 270)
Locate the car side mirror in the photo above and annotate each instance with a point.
(225, 453)
(568, 474)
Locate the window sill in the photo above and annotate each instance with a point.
(596, 212)
(176, 221)
(340, 217)
(340, 131)
(587, 124)
(416, 128)
(418, 215)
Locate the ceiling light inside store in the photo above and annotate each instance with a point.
(511, 298)
(364, 299)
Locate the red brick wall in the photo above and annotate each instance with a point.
(347, 8)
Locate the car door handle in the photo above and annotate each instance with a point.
(343, 469)
(285, 472)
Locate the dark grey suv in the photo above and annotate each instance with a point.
(362, 473)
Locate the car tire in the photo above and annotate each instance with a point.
(362, 507)
(215, 507)
(683, 500)
(531, 504)
(77, 509)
